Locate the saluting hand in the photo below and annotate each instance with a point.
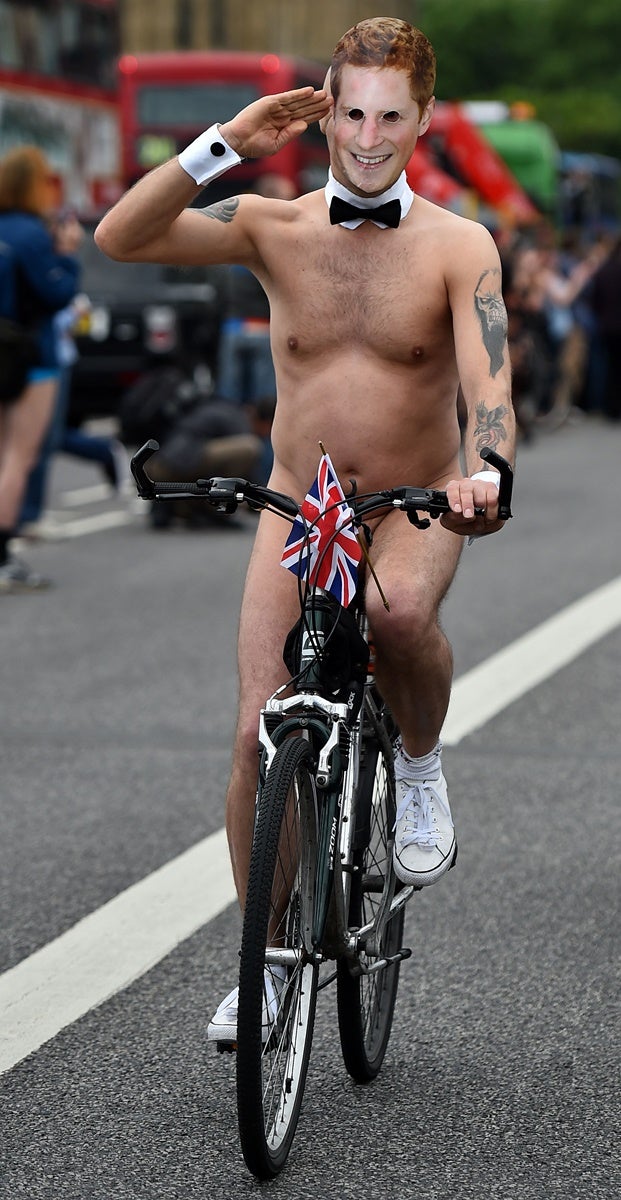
(268, 124)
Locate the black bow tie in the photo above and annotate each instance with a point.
(341, 210)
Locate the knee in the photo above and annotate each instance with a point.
(247, 738)
(409, 622)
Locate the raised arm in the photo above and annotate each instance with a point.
(152, 223)
(480, 331)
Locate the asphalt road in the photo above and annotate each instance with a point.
(118, 694)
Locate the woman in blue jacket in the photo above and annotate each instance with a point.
(38, 276)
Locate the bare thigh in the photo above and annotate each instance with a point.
(415, 568)
(269, 609)
(22, 430)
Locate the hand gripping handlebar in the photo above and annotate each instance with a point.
(225, 494)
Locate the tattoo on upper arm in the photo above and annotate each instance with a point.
(223, 211)
(489, 429)
(490, 309)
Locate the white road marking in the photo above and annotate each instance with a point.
(85, 495)
(94, 524)
(489, 688)
(112, 947)
(108, 950)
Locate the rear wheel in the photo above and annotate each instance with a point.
(366, 1001)
(273, 1054)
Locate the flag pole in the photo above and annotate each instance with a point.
(365, 552)
(360, 538)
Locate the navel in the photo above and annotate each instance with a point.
(292, 342)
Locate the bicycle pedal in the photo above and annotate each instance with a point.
(399, 886)
(226, 1047)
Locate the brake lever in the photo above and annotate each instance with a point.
(415, 519)
(432, 501)
(223, 493)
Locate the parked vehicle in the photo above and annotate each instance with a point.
(141, 315)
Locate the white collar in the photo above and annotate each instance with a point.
(400, 191)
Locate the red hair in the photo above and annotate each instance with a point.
(26, 181)
(387, 42)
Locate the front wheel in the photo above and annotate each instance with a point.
(366, 1002)
(278, 976)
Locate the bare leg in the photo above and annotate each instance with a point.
(23, 428)
(414, 659)
(269, 609)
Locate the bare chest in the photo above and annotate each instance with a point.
(344, 289)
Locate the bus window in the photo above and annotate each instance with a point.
(193, 104)
(168, 99)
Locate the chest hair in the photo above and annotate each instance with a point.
(361, 292)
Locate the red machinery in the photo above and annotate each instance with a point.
(452, 139)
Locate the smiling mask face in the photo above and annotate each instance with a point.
(373, 129)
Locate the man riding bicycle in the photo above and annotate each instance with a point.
(377, 318)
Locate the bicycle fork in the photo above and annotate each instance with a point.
(338, 940)
(338, 745)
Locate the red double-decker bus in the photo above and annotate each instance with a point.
(58, 91)
(167, 99)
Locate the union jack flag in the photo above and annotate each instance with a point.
(322, 547)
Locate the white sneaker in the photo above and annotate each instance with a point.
(223, 1026)
(425, 845)
(16, 576)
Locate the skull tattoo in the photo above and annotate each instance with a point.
(492, 314)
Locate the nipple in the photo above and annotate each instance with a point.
(417, 352)
(292, 342)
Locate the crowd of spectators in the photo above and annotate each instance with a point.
(563, 299)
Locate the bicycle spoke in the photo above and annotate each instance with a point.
(366, 1001)
(271, 1065)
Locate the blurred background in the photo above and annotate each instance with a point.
(526, 139)
(72, 79)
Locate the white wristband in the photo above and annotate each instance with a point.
(208, 157)
(487, 477)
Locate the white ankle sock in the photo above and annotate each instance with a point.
(427, 766)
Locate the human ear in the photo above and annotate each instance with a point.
(425, 121)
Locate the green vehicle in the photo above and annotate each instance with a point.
(530, 151)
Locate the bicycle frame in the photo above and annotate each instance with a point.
(336, 728)
(321, 881)
(337, 738)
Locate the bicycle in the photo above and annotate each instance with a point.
(321, 883)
